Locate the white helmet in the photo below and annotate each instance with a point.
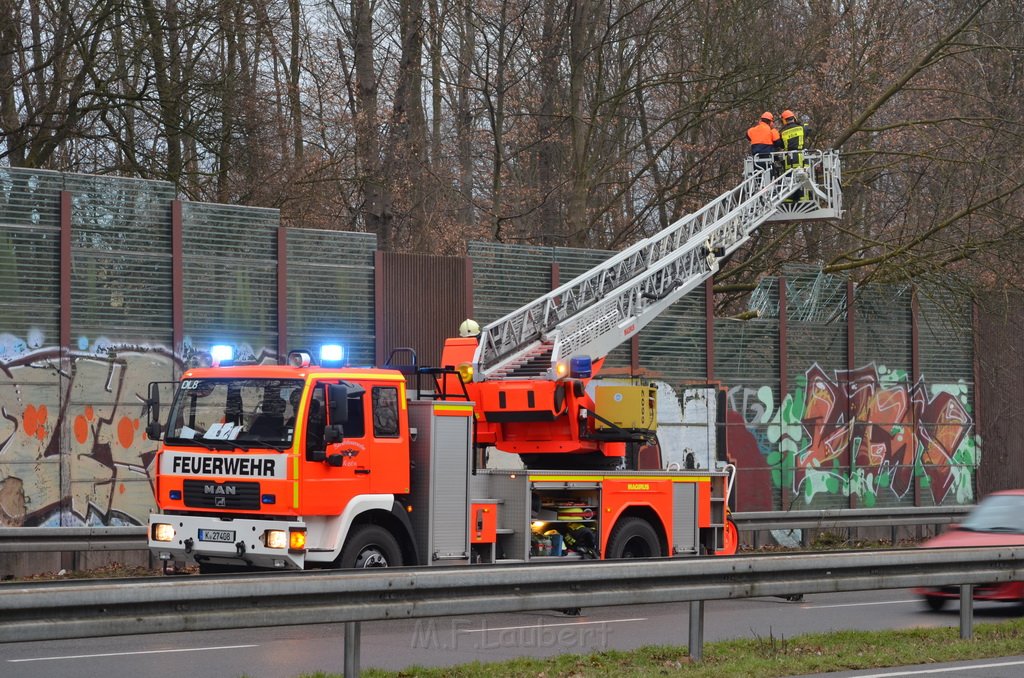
(469, 328)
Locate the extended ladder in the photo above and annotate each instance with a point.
(600, 309)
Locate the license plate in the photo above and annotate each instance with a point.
(226, 536)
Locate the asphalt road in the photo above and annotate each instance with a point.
(289, 651)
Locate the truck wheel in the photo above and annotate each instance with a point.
(935, 603)
(370, 546)
(633, 538)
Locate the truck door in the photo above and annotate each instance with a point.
(337, 464)
(390, 439)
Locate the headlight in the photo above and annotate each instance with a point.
(276, 539)
(163, 532)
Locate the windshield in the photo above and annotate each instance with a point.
(228, 413)
(997, 513)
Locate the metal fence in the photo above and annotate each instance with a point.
(835, 390)
(78, 609)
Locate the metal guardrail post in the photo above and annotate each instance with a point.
(966, 611)
(352, 649)
(696, 643)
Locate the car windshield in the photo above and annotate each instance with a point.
(997, 513)
(229, 413)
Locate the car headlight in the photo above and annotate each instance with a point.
(276, 539)
(163, 532)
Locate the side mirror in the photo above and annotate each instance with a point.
(337, 398)
(153, 430)
(151, 407)
(334, 434)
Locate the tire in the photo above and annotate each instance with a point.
(633, 538)
(370, 546)
(934, 603)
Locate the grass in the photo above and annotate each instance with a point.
(755, 658)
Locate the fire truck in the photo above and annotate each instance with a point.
(317, 464)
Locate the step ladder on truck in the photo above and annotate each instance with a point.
(320, 464)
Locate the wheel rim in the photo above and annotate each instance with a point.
(371, 556)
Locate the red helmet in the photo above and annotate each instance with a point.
(767, 115)
(787, 115)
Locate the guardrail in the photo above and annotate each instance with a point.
(827, 519)
(50, 539)
(21, 539)
(88, 608)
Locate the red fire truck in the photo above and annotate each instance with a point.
(308, 465)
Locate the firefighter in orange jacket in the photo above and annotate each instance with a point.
(764, 139)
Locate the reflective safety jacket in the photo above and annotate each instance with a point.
(763, 139)
(793, 136)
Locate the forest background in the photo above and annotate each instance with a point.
(587, 123)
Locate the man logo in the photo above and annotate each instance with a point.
(220, 502)
(220, 489)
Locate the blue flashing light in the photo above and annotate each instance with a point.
(332, 354)
(581, 367)
(222, 353)
(269, 499)
(175, 495)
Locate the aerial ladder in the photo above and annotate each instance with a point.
(530, 392)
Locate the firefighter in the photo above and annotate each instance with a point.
(793, 137)
(764, 140)
(469, 328)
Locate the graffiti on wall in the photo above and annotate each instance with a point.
(73, 447)
(868, 433)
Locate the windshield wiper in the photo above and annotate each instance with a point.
(190, 441)
(257, 442)
(1002, 528)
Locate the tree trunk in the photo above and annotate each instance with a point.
(376, 200)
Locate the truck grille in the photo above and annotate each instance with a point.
(209, 494)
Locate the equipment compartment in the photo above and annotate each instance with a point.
(565, 520)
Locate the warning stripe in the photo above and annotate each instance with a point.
(452, 410)
(632, 479)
